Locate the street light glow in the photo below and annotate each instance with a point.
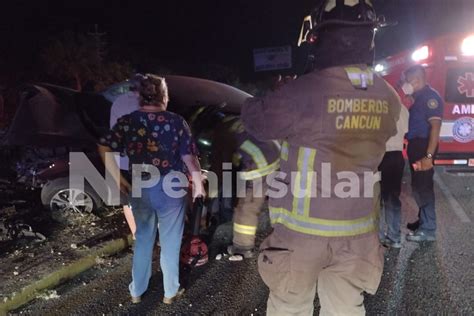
(379, 68)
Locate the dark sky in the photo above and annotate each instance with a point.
(208, 31)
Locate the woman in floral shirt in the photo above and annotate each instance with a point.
(154, 136)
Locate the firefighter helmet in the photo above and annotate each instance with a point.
(337, 13)
(341, 32)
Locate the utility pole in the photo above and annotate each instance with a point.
(99, 42)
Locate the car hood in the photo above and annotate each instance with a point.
(195, 91)
(50, 115)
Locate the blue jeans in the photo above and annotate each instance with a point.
(392, 216)
(152, 208)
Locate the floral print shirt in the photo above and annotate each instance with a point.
(156, 138)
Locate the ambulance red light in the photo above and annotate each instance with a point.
(455, 162)
(467, 47)
(421, 53)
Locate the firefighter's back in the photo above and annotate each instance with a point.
(344, 117)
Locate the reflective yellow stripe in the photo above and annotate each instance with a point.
(309, 181)
(352, 3)
(245, 229)
(298, 218)
(258, 173)
(359, 77)
(229, 118)
(255, 152)
(303, 180)
(197, 113)
(322, 227)
(297, 184)
(284, 151)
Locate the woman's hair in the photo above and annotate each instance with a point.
(153, 90)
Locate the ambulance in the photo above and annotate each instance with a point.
(449, 64)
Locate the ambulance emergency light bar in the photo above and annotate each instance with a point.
(421, 53)
(467, 46)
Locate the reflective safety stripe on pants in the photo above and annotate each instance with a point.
(245, 229)
(246, 216)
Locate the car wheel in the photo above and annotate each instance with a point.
(69, 205)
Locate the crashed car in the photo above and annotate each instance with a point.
(56, 121)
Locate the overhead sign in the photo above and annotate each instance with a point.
(272, 58)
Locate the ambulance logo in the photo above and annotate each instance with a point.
(466, 84)
(463, 130)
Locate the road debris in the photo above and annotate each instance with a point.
(100, 260)
(49, 295)
(236, 258)
(219, 257)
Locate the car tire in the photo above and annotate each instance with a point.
(55, 196)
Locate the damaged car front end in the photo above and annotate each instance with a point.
(52, 121)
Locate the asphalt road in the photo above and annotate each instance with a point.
(427, 278)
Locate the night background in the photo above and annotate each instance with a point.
(211, 39)
(63, 251)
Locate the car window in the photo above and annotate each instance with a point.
(114, 91)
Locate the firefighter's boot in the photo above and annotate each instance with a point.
(245, 252)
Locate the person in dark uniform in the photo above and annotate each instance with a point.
(423, 137)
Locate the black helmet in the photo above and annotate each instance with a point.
(341, 32)
(337, 13)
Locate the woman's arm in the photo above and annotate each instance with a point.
(112, 167)
(194, 167)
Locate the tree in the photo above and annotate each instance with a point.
(73, 59)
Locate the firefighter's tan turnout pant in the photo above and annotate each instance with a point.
(246, 215)
(340, 270)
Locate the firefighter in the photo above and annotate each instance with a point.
(423, 136)
(251, 161)
(333, 123)
(255, 160)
